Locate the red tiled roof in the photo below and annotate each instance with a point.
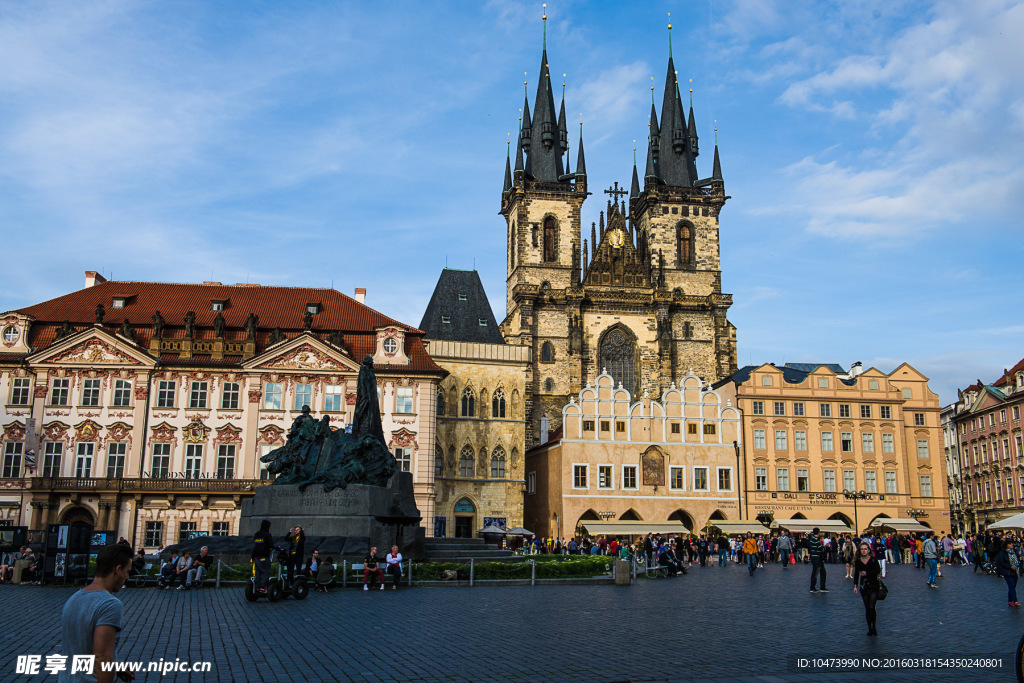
(277, 307)
(1013, 371)
(281, 307)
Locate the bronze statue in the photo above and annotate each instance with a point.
(276, 336)
(218, 325)
(99, 314)
(190, 323)
(313, 454)
(158, 325)
(65, 331)
(307, 320)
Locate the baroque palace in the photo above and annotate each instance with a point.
(143, 408)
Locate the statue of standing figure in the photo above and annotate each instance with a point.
(313, 454)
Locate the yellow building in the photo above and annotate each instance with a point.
(481, 426)
(812, 432)
(616, 459)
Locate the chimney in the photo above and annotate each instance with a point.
(93, 278)
(361, 294)
(856, 369)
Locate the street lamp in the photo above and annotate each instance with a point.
(855, 496)
(916, 512)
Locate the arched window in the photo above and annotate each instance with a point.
(440, 402)
(547, 352)
(498, 463)
(438, 461)
(549, 240)
(466, 462)
(498, 404)
(549, 384)
(618, 357)
(684, 238)
(468, 403)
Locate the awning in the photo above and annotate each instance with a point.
(1014, 522)
(633, 528)
(900, 524)
(738, 526)
(492, 530)
(828, 526)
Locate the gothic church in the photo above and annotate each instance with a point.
(642, 295)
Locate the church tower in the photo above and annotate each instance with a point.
(541, 202)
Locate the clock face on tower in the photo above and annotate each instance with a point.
(617, 238)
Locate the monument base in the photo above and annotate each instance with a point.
(382, 515)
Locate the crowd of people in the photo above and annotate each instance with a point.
(32, 567)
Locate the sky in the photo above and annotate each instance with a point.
(873, 152)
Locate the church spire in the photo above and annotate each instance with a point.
(508, 168)
(653, 143)
(546, 146)
(716, 172)
(581, 164)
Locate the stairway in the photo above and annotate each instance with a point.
(465, 549)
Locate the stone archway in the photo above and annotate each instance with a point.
(685, 517)
(78, 514)
(630, 515)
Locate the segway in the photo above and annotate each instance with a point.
(297, 588)
(273, 593)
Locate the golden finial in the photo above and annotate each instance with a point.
(669, 21)
(545, 15)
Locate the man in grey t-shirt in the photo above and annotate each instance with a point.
(93, 617)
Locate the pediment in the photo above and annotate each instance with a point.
(305, 352)
(93, 346)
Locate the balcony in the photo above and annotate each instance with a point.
(132, 485)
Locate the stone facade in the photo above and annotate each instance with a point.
(811, 433)
(615, 459)
(490, 432)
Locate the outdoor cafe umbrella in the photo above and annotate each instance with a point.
(492, 529)
(519, 531)
(1016, 523)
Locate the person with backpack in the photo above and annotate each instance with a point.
(1007, 566)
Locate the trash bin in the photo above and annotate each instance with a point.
(620, 568)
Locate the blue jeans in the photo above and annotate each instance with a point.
(751, 559)
(1011, 584)
(721, 557)
(785, 559)
(262, 572)
(933, 569)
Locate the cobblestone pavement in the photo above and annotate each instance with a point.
(713, 624)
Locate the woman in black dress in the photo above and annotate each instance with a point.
(866, 570)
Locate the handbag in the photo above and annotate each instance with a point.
(883, 590)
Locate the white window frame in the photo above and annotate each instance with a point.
(84, 456)
(334, 393)
(531, 483)
(21, 386)
(871, 481)
(60, 391)
(829, 480)
(782, 478)
(625, 479)
(166, 389)
(117, 449)
(610, 479)
(263, 474)
(781, 440)
(806, 475)
(760, 478)
(165, 456)
(14, 453)
(230, 390)
(760, 440)
(199, 395)
(800, 440)
(824, 410)
(696, 479)
(828, 444)
(303, 390)
(924, 452)
(273, 396)
(92, 392)
(718, 479)
(867, 442)
(403, 458)
(122, 394)
(404, 400)
(850, 482)
(52, 450)
(193, 463)
(926, 485)
(888, 443)
(586, 476)
(226, 452)
(672, 480)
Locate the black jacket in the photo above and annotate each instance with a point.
(263, 542)
(1004, 567)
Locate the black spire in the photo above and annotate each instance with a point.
(581, 164)
(716, 172)
(544, 156)
(508, 172)
(634, 189)
(692, 131)
(652, 147)
(519, 154)
(563, 132)
(674, 159)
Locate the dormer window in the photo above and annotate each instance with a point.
(483, 322)
(118, 302)
(390, 345)
(217, 306)
(11, 334)
(312, 309)
(445, 319)
(462, 297)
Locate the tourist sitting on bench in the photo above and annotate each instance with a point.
(666, 562)
(394, 560)
(200, 568)
(181, 570)
(371, 568)
(167, 570)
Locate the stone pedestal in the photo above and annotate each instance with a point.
(355, 518)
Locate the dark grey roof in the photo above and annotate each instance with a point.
(811, 367)
(672, 149)
(544, 161)
(716, 171)
(459, 299)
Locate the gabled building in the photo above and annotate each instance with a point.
(481, 423)
(639, 298)
(987, 421)
(812, 432)
(143, 408)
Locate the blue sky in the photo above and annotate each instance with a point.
(873, 151)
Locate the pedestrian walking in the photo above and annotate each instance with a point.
(1008, 566)
(849, 552)
(816, 550)
(785, 548)
(867, 583)
(930, 553)
(750, 552)
(93, 617)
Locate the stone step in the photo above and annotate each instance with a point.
(458, 554)
(455, 541)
